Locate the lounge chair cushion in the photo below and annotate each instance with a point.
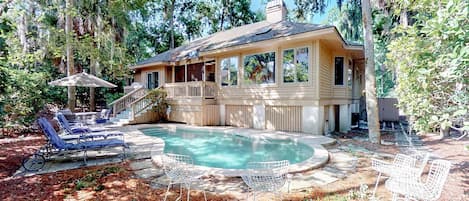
(96, 144)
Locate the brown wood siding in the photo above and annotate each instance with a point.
(325, 68)
(284, 118)
(211, 115)
(186, 114)
(341, 92)
(239, 115)
(267, 93)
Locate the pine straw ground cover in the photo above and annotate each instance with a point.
(109, 182)
(14, 150)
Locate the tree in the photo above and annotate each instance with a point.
(370, 77)
(70, 57)
(305, 8)
(431, 59)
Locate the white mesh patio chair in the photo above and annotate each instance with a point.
(180, 170)
(421, 161)
(416, 190)
(401, 161)
(414, 165)
(267, 177)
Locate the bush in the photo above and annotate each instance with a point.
(158, 96)
(24, 95)
(431, 59)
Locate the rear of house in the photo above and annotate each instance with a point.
(273, 74)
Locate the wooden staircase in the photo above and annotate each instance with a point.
(133, 108)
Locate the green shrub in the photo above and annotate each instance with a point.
(431, 60)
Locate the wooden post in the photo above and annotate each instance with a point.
(203, 81)
(173, 75)
(185, 79)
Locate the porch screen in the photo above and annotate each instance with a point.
(259, 68)
(210, 71)
(179, 74)
(229, 71)
(194, 72)
(296, 65)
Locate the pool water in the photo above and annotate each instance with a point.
(228, 151)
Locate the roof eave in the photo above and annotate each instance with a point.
(158, 63)
(318, 32)
(354, 47)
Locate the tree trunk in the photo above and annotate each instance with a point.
(370, 88)
(404, 19)
(94, 59)
(69, 52)
(222, 20)
(171, 24)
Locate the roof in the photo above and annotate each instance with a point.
(246, 34)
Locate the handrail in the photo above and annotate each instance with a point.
(126, 95)
(125, 101)
(138, 105)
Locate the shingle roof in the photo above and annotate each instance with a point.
(250, 33)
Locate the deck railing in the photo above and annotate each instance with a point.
(125, 101)
(139, 105)
(191, 89)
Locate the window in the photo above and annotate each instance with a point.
(229, 71)
(296, 65)
(349, 74)
(339, 71)
(259, 68)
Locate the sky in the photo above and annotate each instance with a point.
(317, 19)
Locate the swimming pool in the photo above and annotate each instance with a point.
(227, 150)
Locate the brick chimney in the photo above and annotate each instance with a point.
(276, 11)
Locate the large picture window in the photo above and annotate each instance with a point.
(296, 65)
(229, 71)
(259, 68)
(339, 71)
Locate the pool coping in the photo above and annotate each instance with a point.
(318, 159)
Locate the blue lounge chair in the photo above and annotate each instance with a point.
(84, 130)
(59, 145)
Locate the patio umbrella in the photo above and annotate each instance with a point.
(82, 80)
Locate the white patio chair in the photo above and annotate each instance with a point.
(401, 161)
(266, 177)
(180, 170)
(415, 190)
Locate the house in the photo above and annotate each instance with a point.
(273, 74)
